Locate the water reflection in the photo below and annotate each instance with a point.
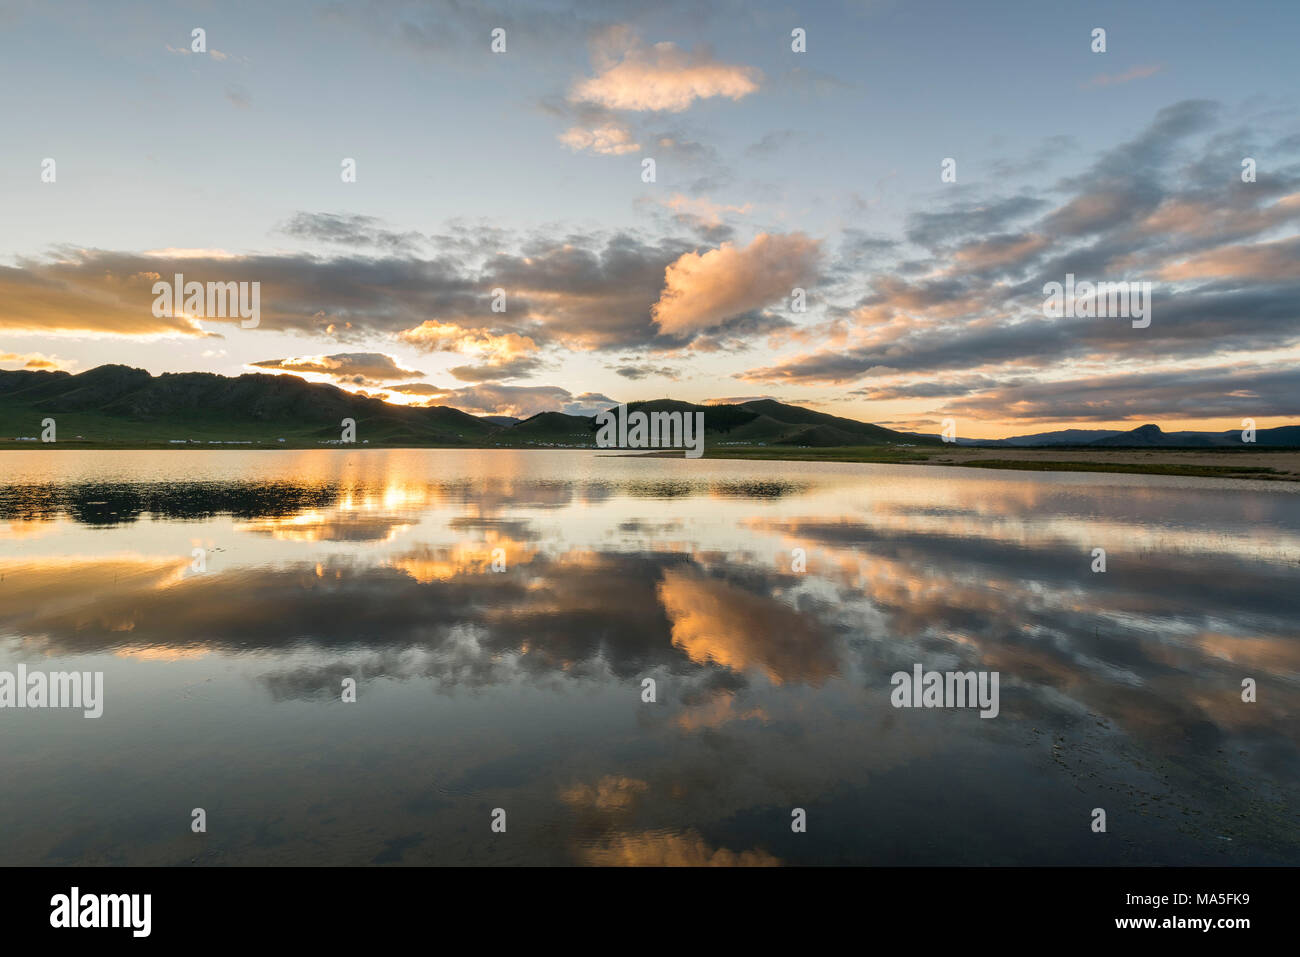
(500, 612)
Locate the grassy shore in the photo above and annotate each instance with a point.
(1270, 464)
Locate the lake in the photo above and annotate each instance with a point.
(499, 613)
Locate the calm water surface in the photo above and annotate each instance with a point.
(521, 689)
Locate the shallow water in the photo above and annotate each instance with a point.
(521, 689)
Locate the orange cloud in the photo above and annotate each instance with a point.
(716, 622)
(611, 139)
(655, 849)
(1198, 218)
(702, 291)
(1266, 261)
(66, 296)
(609, 794)
(434, 336)
(1115, 79)
(702, 210)
(36, 360)
(353, 368)
(998, 251)
(633, 76)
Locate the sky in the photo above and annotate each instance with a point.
(503, 249)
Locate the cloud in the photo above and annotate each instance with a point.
(1101, 209)
(434, 336)
(589, 295)
(1226, 218)
(350, 230)
(1115, 79)
(501, 356)
(701, 212)
(1272, 261)
(1230, 392)
(577, 291)
(610, 139)
(976, 218)
(974, 304)
(703, 291)
(806, 83)
(633, 76)
(239, 97)
(612, 793)
(772, 143)
(716, 622)
(657, 849)
(493, 398)
(417, 388)
(646, 371)
(517, 368)
(1000, 250)
(80, 293)
(741, 332)
(188, 252)
(1164, 137)
(37, 361)
(185, 51)
(351, 368)
(929, 389)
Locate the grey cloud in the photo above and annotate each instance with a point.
(1230, 392)
(646, 371)
(516, 368)
(576, 291)
(967, 218)
(350, 230)
(355, 368)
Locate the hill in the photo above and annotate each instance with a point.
(1147, 436)
(1152, 436)
(768, 422)
(121, 406)
(126, 407)
(116, 404)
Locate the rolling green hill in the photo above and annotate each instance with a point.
(551, 428)
(116, 405)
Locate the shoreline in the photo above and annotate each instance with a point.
(1268, 464)
(1276, 465)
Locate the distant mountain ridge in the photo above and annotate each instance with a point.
(1146, 436)
(120, 404)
